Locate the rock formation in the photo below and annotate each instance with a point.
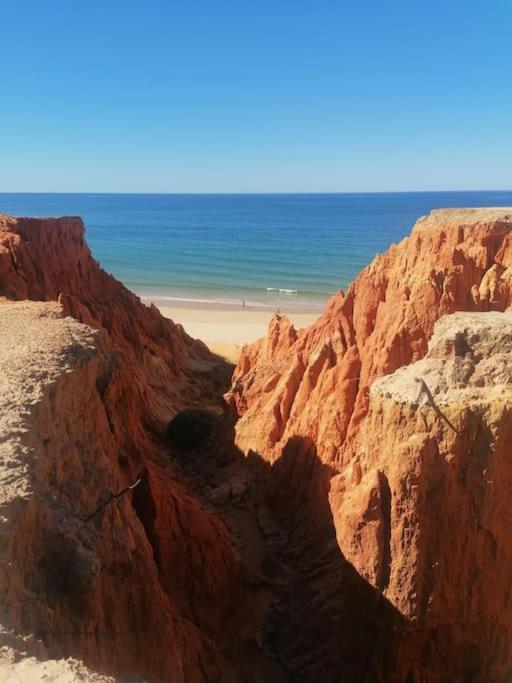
(421, 510)
(49, 260)
(314, 383)
(397, 476)
(126, 589)
(347, 520)
(139, 588)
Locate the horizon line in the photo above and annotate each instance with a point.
(252, 193)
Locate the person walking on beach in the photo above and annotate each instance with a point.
(243, 303)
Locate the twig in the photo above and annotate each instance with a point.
(100, 508)
(112, 497)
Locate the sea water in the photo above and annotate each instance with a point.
(260, 250)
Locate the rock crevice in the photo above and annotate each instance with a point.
(344, 519)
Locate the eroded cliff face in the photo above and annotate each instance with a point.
(131, 586)
(142, 587)
(414, 497)
(421, 511)
(346, 524)
(314, 383)
(49, 260)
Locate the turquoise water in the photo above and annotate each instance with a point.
(271, 250)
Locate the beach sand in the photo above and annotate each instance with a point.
(226, 330)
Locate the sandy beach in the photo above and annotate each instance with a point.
(226, 330)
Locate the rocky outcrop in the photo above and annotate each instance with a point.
(131, 584)
(415, 491)
(49, 260)
(142, 587)
(314, 383)
(421, 511)
(358, 531)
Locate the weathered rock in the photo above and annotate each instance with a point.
(314, 383)
(133, 589)
(371, 517)
(19, 664)
(425, 519)
(418, 497)
(49, 260)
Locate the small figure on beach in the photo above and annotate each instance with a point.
(243, 303)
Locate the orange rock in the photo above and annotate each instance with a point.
(142, 587)
(49, 260)
(314, 383)
(419, 488)
(425, 520)
(383, 503)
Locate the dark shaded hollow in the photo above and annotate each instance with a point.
(190, 429)
(145, 509)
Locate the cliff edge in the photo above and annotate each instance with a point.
(82, 572)
(314, 382)
(421, 509)
(90, 379)
(347, 519)
(398, 451)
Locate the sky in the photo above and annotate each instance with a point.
(255, 96)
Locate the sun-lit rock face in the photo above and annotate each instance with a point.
(142, 588)
(314, 383)
(364, 539)
(419, 480)
(130, 586)
(421, 509)
(46, 259)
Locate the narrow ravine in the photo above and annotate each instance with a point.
(299, 594)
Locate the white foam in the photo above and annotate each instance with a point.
(284, 291)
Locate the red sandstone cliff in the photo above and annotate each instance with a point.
(365, 537)
(141, 588)
(314, 383)
(418, 503)
(94, 585)
(49, 260)
(421, 511)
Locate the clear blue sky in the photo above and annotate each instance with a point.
(220, 96)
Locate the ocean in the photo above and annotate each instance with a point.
(287, 251)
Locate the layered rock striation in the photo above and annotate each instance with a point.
(138, 586)
(314, 382)
(421, 509)
(415, 466)
(130, 584)
(348, 519)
